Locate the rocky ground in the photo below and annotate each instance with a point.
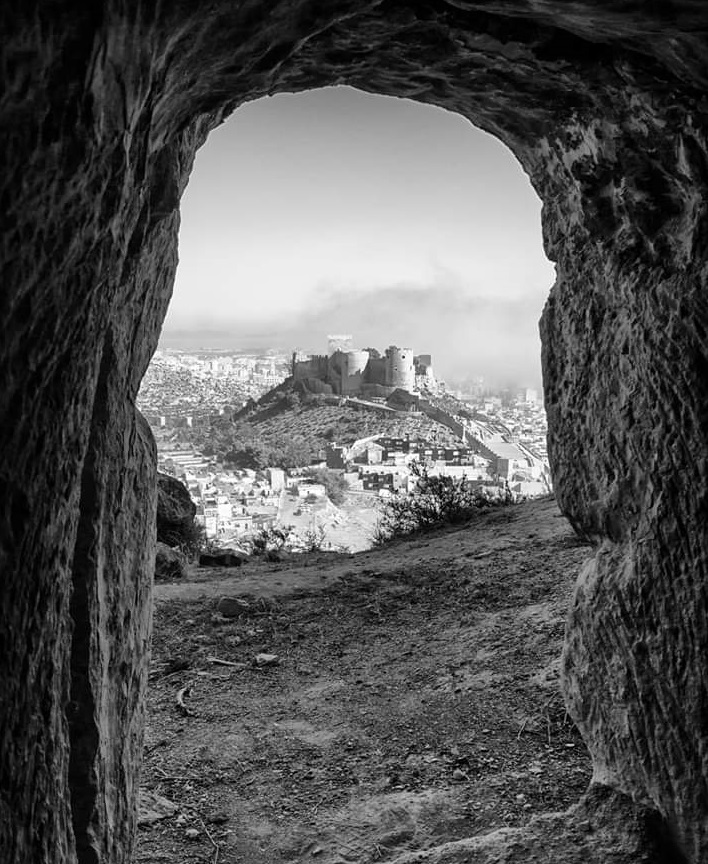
(360, 708)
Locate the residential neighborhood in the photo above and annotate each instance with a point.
(493, 440)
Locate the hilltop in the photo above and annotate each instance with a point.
(408, 697)
(292, 427)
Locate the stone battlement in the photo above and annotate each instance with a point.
(351, 372)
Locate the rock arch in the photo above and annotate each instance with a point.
(604, 105)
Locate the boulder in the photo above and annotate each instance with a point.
(169, 563)
(154, 808)
(175, 510)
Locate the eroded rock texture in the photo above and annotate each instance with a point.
(604, 104)
(175, 510)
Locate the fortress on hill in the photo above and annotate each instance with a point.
(347, 371)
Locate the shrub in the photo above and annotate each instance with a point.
(314, 539)
(291, 400)
(435, 501)
(190, 539)
(270, 542)
(333, 481)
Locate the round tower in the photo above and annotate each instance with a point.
(400, 369)
(353, 370)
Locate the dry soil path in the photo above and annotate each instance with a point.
(413, 701)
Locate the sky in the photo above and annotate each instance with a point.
(335, 211)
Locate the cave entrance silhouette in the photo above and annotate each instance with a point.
(603, 105)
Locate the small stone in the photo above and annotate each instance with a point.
(153, 808)
(191, 833)
(217, 818)
(267, 659)
(459, 776)
(231, 607)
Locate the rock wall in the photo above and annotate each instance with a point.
(102, 109)
(175, 511)
(625, 340)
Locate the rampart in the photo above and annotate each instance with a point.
(351, 372)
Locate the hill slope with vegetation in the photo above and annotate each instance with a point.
(287, 429)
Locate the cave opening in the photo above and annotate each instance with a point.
(604, 107)
(336, 211)
(306, 215)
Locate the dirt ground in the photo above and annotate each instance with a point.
(413, 699)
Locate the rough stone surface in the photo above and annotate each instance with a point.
(175, 510)
(169, 563)
(102, 108)
(154, 808)
(606, 827)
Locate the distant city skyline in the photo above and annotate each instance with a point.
(338, 211)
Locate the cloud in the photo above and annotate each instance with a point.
(466, 333)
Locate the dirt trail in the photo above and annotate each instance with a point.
(414, 700)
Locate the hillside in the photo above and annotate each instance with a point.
(324, 423)
(290, 430)
(413, 700)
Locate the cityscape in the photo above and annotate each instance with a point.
(495, 439)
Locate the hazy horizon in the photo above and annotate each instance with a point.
(337, 211)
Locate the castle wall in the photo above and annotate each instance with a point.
(376, 371)
(316, 366)
(336, 368)
(442, 417)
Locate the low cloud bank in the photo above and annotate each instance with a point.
(467, 335)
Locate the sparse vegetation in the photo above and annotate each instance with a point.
(314, 539)
(334, 483)
(270, 542)
(436, 500)
(190, 539)
(288, 431)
